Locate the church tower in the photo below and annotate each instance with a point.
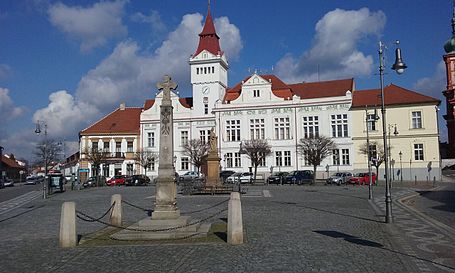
(449, 59)
(208, 70)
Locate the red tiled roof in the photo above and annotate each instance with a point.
(10, 162)
(119, 121)
(304, 90)
(148, 104)
(186, 102)
(393, 95)
(208, 39)
(311, 90)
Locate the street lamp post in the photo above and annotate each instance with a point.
(399, 67)
(401, 166)
(367, 119)
(38, 131)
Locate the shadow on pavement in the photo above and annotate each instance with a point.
(327, 211)
(31, 208)
(445, 197)
(363, 242)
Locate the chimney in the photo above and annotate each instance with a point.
(122, 106)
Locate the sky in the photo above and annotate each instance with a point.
(69, 63)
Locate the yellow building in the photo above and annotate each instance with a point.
(412, 132)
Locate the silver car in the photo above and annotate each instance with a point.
(339, 178)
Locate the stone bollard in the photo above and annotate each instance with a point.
(116, 213)
(235, 225)
(68, 236)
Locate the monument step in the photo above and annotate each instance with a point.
(126, 234)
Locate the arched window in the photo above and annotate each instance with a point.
(205, 70)
(197, 70)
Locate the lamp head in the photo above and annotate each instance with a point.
(37, 128)
(399, 66)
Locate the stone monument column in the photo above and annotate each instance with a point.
(165, 201)
(213, 162)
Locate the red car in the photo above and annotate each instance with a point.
(116, 181)
(363, 179)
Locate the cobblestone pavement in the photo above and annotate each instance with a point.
(288, 229)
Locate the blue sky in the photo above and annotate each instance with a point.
(72, 62)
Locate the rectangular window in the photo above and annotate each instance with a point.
(310, 126)
(257, 128)
(345, 156)
(197, 70)
(278, 158)
(106, 146)
(204, 135)
(373, 151)
(418, 151)
(282, 128)
(151, 139)
(152, 164)
(106, 170)
(233, 130)
(340, 125)
(184, 137)
(416, 120)
(229, 160)
(185, 163)
(336, 157)
(256, 93)
(213, 69)
(237, 160)
(129, 146)
(129, 169)
(95, 146)
(262, 161)
(287, 158)
(206, 108)
(118, 149)
(371, 119)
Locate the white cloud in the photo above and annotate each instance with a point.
(93, 26)
(154, 19)
(7, 109)
(433, 86)
(334, 51)
(5, 71)
(64, 115)
(128, 74)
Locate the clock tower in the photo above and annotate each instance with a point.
(449, 60)
(208, 70)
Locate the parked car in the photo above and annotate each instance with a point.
(363, 179)
(32, 180)
(339, 178)
(117, 180)
(189, 176)
(277, 178)
(8, 182)
(138, 180)
(91, 182)
(299, 177)
(225, 174)
(244, 177)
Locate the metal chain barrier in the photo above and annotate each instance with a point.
(91, 219)
(136, 206)
(213, 206)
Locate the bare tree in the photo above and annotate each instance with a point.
(257, 150)
(145, 158)
(47, 152)
(196, 150)
(376, 155)
(315, 150)
(96, 157)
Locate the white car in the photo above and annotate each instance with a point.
(245, 177)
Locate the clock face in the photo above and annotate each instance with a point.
(205, 90)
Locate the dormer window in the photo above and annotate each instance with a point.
(256, 93)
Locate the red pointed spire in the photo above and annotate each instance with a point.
(208, 39)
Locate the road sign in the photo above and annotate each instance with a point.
(83, 170)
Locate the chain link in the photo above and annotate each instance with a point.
(213, 206)
(136, 206)
(92, 219)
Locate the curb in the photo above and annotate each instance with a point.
(449, 231)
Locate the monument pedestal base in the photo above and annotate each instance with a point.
(155, 229)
